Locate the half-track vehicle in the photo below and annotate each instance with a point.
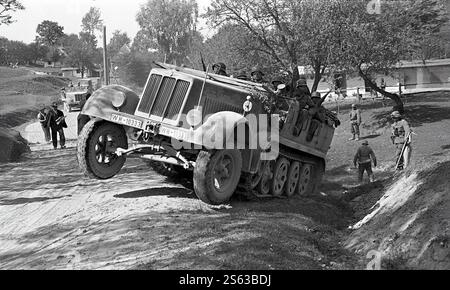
(179, 120)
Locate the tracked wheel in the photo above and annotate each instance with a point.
(293, 179)
(266, 179)
(280, 176)
(306, 180)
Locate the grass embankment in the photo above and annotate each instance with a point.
(22, 93)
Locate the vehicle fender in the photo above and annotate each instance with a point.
(225, 129)
(100, 104)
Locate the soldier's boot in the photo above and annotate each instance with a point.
(351, 139)
(372, 179)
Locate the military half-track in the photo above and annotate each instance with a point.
(189, 121)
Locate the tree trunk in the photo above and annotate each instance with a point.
(317, 78)
(396, 98)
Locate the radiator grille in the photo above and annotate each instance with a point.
(164, 97)
(150, 93)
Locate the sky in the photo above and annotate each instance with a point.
(116, 14)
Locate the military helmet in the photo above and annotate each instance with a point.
(396, 114)
(255, 70)
(354, 106)
(301, 82)
(315, 95)
(242, 74)
(220, 65)
(365, 142)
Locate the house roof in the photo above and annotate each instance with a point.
(426, 63)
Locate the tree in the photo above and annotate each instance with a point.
(374, 43)
(117, 42)
(37, 51)
(7, 6)
(169, 26)
(49, 33)
(92, 21)
(290, 32)
(81, 51)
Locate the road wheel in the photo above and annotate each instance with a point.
(293, 179)
(96, 146)
(266, 179)
(249, 182)
(280, 176)
(306, 180)
(216, 175)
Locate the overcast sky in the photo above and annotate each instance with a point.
(116, 14)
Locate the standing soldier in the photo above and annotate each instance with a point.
(401, 138)
(355, 121)
(56, 122)
(364, 158)
(43, 119)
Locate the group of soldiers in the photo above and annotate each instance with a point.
(309, 104)
(401, 137)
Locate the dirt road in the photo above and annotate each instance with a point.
(53, 218)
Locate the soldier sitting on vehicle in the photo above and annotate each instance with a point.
(317, 114)
(220, 69)
(257, 75)
(242, 75)
(302, 96)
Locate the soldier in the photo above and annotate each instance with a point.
(355, 120)
(220, 69)
(242, 75)
(57, 124)
(257, 75)
(401, 138)
(364, 158)
(43, 119)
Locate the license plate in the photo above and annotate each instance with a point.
(126, 121)
(178, 135)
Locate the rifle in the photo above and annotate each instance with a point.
(60, 120)
(203, 62)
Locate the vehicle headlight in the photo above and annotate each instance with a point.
(118, 100)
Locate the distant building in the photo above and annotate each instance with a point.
(71, 72)
(425, 74)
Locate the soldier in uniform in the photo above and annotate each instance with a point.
(220, 69)
(364, 158)
(401, 138)
(57, 124)
(355, 120)
(257, 75)
(302, 95)
(242, 75)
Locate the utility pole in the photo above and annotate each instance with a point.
(105, 59)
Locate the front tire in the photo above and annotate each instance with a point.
(216, 175)
(96, 146)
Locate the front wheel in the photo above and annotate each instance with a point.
(96, 148)
(216, 175)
